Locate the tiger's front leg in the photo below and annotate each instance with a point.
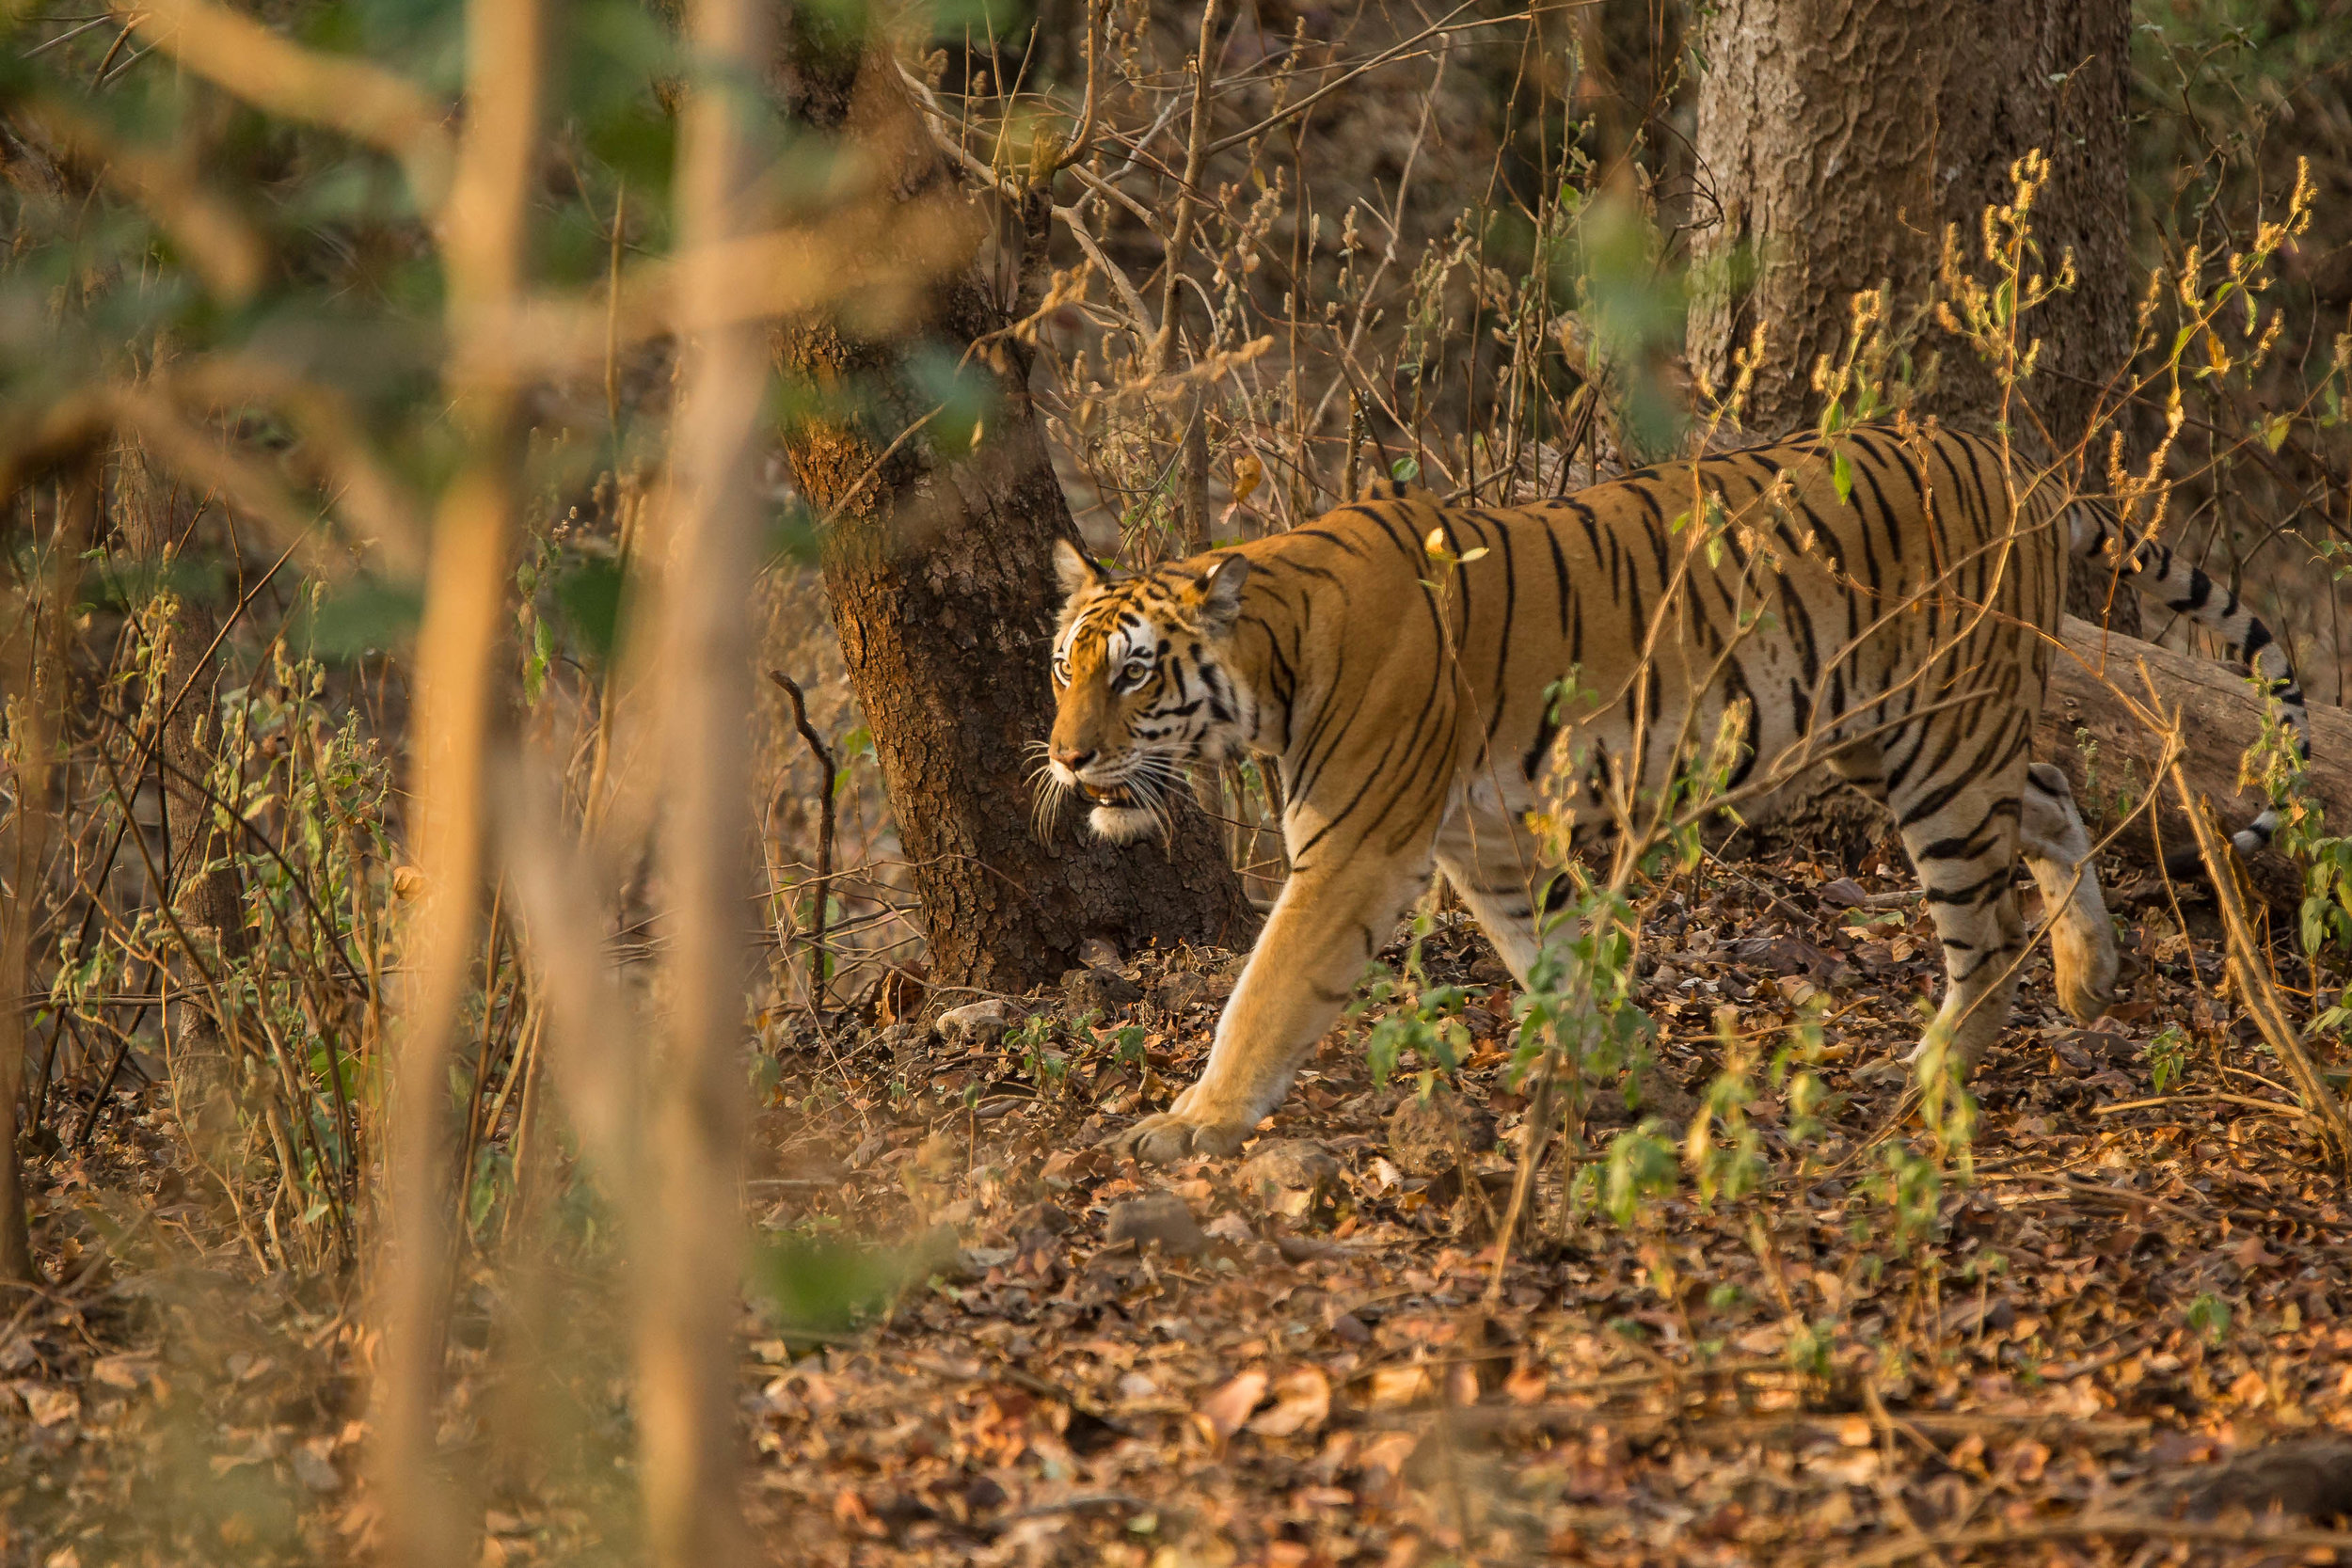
(1324, 929)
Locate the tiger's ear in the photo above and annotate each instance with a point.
(1221, 592)
(1077, 573)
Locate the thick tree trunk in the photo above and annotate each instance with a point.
(1842, 137)
(32, 692)
(153, 517)
(938, 571)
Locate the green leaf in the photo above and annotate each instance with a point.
(542, 652)
(360, 617)
(590, 594)
(1841, 475)
(826, 1287)
(1382, 1049)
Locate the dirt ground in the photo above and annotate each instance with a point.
(975, 1337)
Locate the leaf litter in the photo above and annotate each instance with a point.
(977, 1336)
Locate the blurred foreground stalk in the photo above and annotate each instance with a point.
(689, 1265)
(486, 247)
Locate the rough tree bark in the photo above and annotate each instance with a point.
(34, 641)
(938, 570)
(1841, 136)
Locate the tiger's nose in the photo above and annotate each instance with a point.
(1072, 760)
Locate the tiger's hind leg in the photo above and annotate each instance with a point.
(1491, 860)
(2058, 852)
(1960, 825)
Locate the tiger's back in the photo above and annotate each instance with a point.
(1805, 610)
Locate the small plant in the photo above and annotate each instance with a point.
(1033, 1041)
(1811, 1349)
(2168, 1057)
(1641, 1165)
(1730, 1165)
(2209, 1318)
(1914, 1193)
(1420, 1018)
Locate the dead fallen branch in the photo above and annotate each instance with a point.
(2211, 1533)
(2113, 760)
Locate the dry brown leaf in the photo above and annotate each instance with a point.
(1392, 1387)
(124, 1372)
(49, 1406)
(1302, 1402)
(1222, 1413)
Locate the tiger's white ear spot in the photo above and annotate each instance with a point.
(1220, 591)
(1077, 573)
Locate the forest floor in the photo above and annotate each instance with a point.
(981, 1338)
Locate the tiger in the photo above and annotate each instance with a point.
(1882, 601)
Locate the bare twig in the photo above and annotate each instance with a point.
(827, 771)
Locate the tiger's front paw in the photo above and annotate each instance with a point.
(1170, 1136)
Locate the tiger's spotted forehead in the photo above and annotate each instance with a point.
(1119, 622)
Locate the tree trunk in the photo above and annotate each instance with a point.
(937, 566)
(153, 517)
(33, 692)
(1842, 137)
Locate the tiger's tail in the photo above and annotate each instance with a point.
(2098, 539)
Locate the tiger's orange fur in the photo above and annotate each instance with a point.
(1900, 633)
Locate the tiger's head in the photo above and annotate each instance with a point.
(1142, 686)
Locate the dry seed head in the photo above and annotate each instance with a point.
(2269, 336)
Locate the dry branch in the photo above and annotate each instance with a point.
(2275, 1539)
(278, 75)
(828, 770)
(35, 656)
(692, 1251)
(2257, 988)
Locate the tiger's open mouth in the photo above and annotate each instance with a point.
(1113, 795)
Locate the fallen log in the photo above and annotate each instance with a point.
(2111, 757)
